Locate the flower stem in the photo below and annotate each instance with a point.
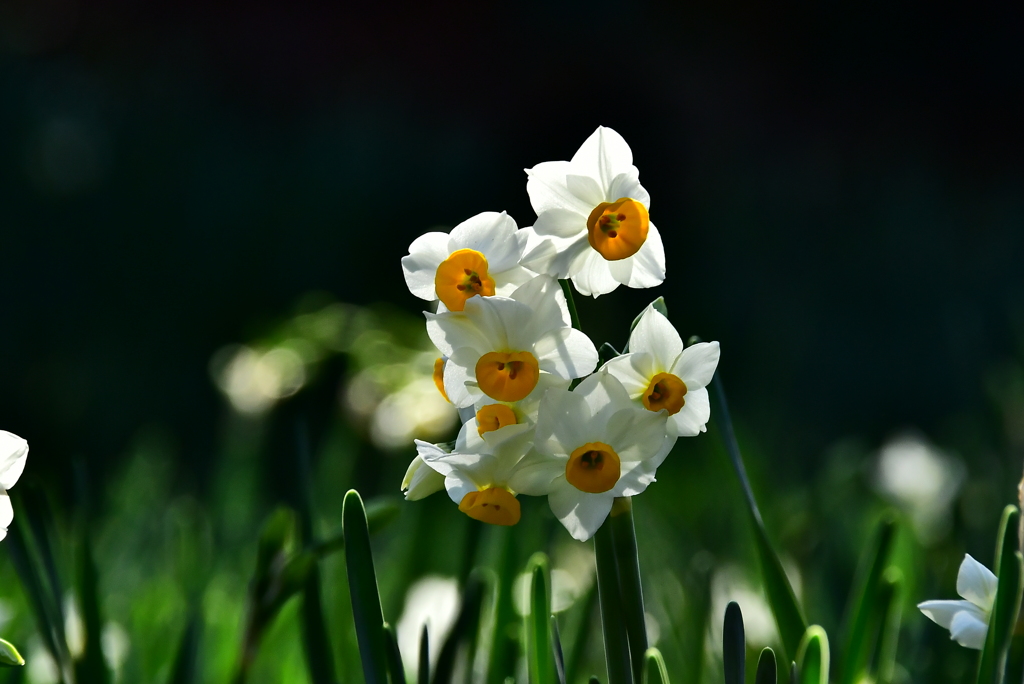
(574, 315)
(616, 641)
(627, 563)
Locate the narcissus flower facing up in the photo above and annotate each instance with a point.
(967, 621)
(592, 445)
(660, 374)
(479, 257)
(501, 347)
(13, 455)
(480, 471)
(592, 221)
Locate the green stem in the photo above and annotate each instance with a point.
(616, 641)
(627, 563)
(574, 315)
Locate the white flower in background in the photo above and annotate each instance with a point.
(592, 445)
(421, 480)
(479, 471)
(13, 454)
(479, 257)
(592, 223)
(660, 374)
(967, 621)
(499, 347)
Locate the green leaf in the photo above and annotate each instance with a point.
(91, 667)
(734, 645)
(891, 599)
(812, 656)
(504, 649)
(539, 655)
(655, 671)
(362, 584)
(380, 512)
(868, 608)
(1007, 602)
(628, 565)
(574, 315)
(767, 668)
(395, 667)
(606, 352)
(794, 673)
(556, 647)
(184, 670)
(315, 641)
(9, 656)
(423, 674)
(616, 643)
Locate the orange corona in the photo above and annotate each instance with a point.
(593, 468)
(618, 229)
(666, 391)
(507, 376)
(461, 276)
(494, 417)
(494, 505)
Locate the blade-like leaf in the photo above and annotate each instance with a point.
(91, 667)
(616, 643)
(539, 656)
(395, 668)
(362, 584)
(767, 668)
(423, 673)
(866, 610)
(315, 642)
(781, 598)
(184, 670)
(556, 647)
(812, 657)
(380, 512)
(628, 565)
(891, 598)
(734, 645)
(1007, 602)
(504, 649)
(9, 656)
(794, 673)
(655, 671)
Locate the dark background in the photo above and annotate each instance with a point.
(839, 186)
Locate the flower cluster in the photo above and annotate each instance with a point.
(540, 417)
(13, 455)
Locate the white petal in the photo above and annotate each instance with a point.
(633, 370)
(421, 480)
(13, 455)
(549, 311)
(942, 612)
(546, 185)
(457, 376)
(586, 188)
(692, 418)
(452, 330)
(655, 335)
(594, 277)
(627, 184)
(562, 421)
(567, 353)
(605, 396)
(697, 364)
(648, 265)
(492, 234)
(458, 484)
(6, 512)
(536, 473)
(553, 256)
(581, 513)
(420, 267)
(976, 583)
(563, 223)
(636, 434)
(968, 630)
(605, 155)
(506, 282)
(635, 480)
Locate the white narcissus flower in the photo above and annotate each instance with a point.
(967, 621)
(500, 347)
(421, 480)
(13, 454)
(592, 444)
(478, 473)
(660, 374)
(592, 222)
(479, 257)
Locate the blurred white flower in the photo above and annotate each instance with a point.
(254, 381)
(592, 221)
(414, 410)
(922, 480)
(432, 601)
(967, 621)
(13, 455)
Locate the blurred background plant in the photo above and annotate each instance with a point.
(182, 187)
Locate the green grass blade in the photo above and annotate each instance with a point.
(395, 668)
(767, 667)
(9, 656)
(185, 667)
(594, 680)
(362, 584)
(812, 657)
(616, 643)
(315, 641)
(381, 511)
(628, 564)
(1007, 601)
(788, 616)
(1015, 659)
(40, 601)
(867, 609)
(539, 655)
(91, 667)
(734, 645)
(891, 597)
(556, 647)
(505, 647)
(424, 663)
(655, 671)
(794, 673)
